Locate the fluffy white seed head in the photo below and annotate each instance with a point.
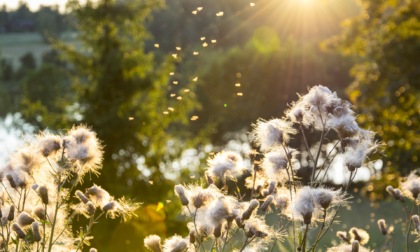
(153, 242)
(82, 146)
(411, 186)
(304, 205)
(26, 159)
(359, 235)
(256, 227)
(225, 163)
(175, 244)
(272, 133)
(324, 197)
(98, 196)
(274, 163)
(219, 210)
(346, 126)
(48, 144)
(347, 248)
(281, 201)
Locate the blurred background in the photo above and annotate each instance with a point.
(165, 84)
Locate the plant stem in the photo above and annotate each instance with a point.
(304, 238)
(43, 227)
(292, 183)
(317, 155)
(246, 243)
(17, 245)
(88, 228)
(55, 213)
(10, 197)
(305, 141)
(253, 183)
(320, 231)
(195, 227)
(408, 229)
(326, 159)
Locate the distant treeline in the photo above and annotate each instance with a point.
(47, 20)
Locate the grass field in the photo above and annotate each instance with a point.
(15, 45)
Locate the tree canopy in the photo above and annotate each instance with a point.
(384, 42)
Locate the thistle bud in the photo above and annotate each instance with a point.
(260, 234)
(193, 236)
(11, 214)
(230, 218)
(416, 220)
(11, 180)
(265, 193)
(18, 230)
(266, 204)
(39, 212)
(382, 226)
(307, 218)
(3, 220)
(343, 236)
(35, 186)
(24, 219)
(181, 246)
(217, 231)
(355, 246)
(35, 231)
(209, 179)
(249, 234)
(272, 186)
(396, 193)
(82, 196)
(239, 222)
(179, 189)
(110, 206)
(90, 208)
(252, 206)
(43, 193)
(198, 200)
(399, 195)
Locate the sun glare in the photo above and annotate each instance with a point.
(305, 2)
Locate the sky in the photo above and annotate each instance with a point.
(32, 4)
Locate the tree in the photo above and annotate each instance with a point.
(384, 41)
(49, 22)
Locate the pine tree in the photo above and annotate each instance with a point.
(122, 91)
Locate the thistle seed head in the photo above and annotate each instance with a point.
(24, 219)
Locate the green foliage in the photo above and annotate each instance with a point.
(45, 96)
(384, 41)
(124, 94)
(122, 91)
